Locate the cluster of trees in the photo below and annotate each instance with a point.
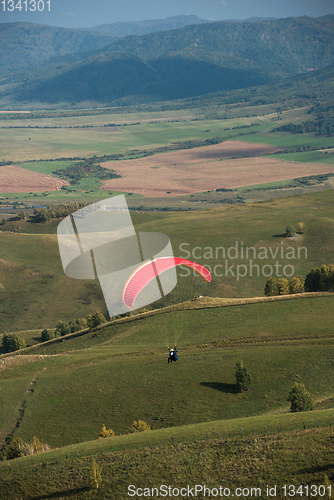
(282, 286)
(320, 279)
(11, 342)
(317, 280)
(74, 325)
(57, 211)
(86, 168)
(322, 125)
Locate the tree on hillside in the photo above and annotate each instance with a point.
(95, 476)
(22, 215)
(242, 377)
(94, 320)
(312, 280)
(296, 285)
(271, 287)
(63, 328)
(290, 231)
(327, 278)
(47, 335)
(11, 342)
(283, 286)
(299, 398)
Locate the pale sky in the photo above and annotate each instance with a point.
(88, 13)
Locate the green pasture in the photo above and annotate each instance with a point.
(285, 140)
(326, 157)
(46, 167)
(20, 145)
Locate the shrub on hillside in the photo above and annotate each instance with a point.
(140, 426)
(106, 433)
(301, 228)
(299, 398)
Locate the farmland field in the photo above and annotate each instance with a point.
(13, 178)
(202, 169)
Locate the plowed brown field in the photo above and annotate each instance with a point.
(203, 169)
(15, 179)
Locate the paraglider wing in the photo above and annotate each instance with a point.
(147, 271)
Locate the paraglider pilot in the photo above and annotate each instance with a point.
(172, 355)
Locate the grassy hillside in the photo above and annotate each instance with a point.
(65, 389)
(299, 458)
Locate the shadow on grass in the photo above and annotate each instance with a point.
(219, 386)
(60, 494)
(283, 235)
(318, 468)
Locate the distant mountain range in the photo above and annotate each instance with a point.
(52, 65)
(122, 29)
(145, 27)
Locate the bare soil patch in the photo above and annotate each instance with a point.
(15, 179)
(204, 169)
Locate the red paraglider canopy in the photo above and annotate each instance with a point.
(147, 271)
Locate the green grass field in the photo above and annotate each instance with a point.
(39, 294)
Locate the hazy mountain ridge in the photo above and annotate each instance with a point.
(27, 43)
(185, 62)
(122, 29)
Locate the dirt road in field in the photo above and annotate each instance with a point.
(206, 168)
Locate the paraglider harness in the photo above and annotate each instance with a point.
(172, 355)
